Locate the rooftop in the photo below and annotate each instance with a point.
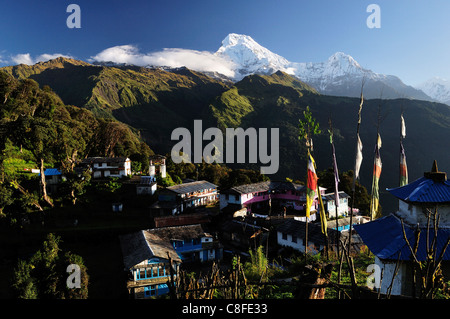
(191, 187)
(273, 186)
(90, 160)
(139, 246)
(51, 172)
(384, 238)
(184, 232)
(433, 187)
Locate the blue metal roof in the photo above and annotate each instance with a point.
(51, 172)
(423, 190)
(384, 238)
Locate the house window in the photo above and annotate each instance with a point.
(284, 236)
(150, 291)
(294, 239)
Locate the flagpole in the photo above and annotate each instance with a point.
(400, 153)
(336, 181)
(372, 203)
(307, 206)
(358, 149)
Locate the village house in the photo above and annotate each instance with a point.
(191, 242)
(53, 177)
(146, 186)
(384, 236)
(176, 199)
(146, 256)
(102, 167)
(146, 260)
(263, 197)
(292, 233)
(329, 203)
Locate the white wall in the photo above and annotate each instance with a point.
(388, 270)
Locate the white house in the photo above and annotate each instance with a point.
(147, 185)
(101, 167)
(384, 236)
(260, 196)
(329, 203)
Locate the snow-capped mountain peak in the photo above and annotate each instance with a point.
(437, 88)
(249, 56)
(343, 61)
(340, 74)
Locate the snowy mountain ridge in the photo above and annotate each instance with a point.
(437, 88)
(340, 75)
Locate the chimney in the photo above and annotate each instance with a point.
(435, 175)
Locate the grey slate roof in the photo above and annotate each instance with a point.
(191, 187)
(139, 246)
(273, 186)
(298, 229)
(179, 232)
(330, 196)
(91, 160)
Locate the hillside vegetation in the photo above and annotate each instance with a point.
(154, 102)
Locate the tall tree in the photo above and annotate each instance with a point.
(39, 136)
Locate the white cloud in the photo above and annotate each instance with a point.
(22, 59)
(192, 59)
(25, 58)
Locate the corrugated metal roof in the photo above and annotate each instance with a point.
(423, 190)
(91, 160)
(384, 238)
(51, 172)
(191, 187)
(273, 186)
(331, 196)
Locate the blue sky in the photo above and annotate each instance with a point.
(412, 43)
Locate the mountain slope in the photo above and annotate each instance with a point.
(153, 101)
(340, 75)
(264, 102)
(57, 131)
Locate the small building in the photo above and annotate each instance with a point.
(175, 199)
(292, 233)
(102, 167)
(190, 242)
(265, 196)
(157, 165)
(53, 177)
(147, 185)
(146, 260)
(384, 236)
(329, 203)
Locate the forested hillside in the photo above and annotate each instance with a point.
(154, 102)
